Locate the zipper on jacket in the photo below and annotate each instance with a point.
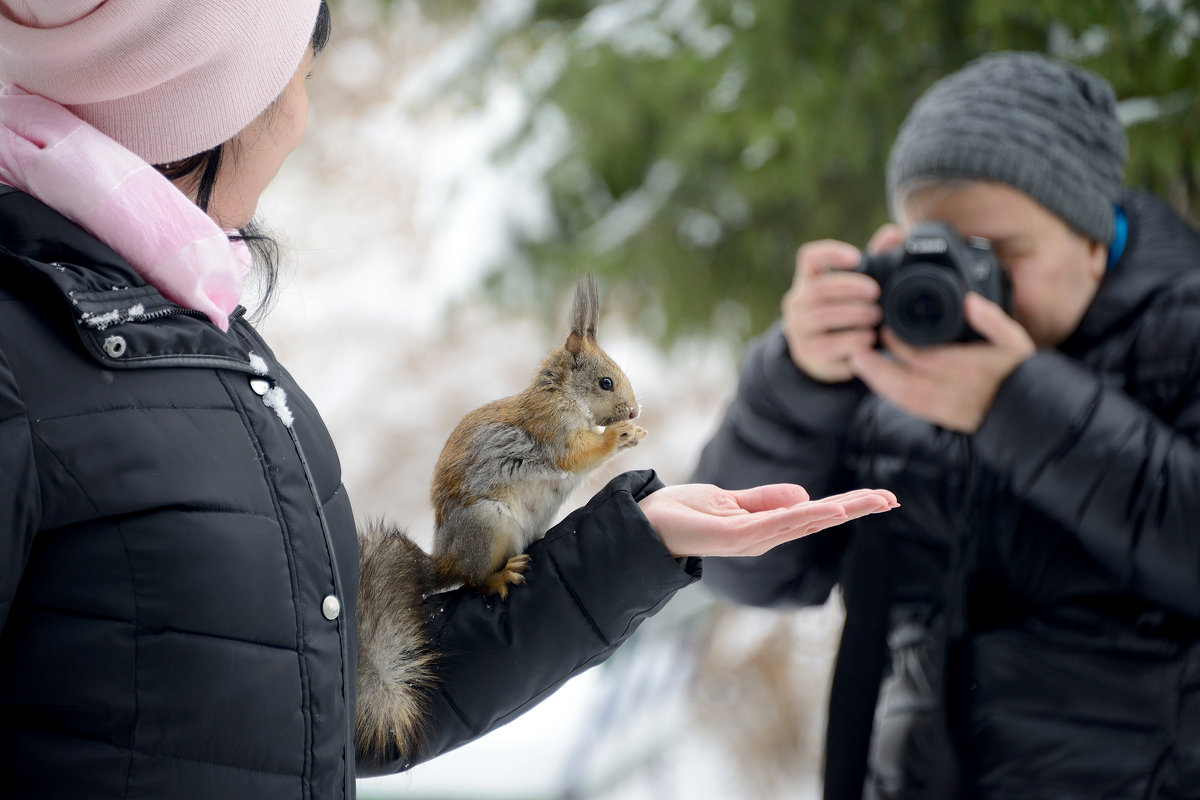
(173, 310)
(348, 747)
(168, 311)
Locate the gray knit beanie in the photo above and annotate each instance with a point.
(1047, 128)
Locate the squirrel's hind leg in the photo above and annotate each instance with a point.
(479, 545)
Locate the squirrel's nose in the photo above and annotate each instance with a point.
(633, 413)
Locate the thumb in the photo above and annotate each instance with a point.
(771, 496)
(888, 237)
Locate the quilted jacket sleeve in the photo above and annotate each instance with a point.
(781, 427)
(1120, 472)
(593, 579)
(20, 500)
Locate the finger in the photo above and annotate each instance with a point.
(868, 504)
(858, 494)
(810, 517)
(929, 394)
(912, 357)
(863, 502)
(818, 308)
(814, 258)
(888, 237)
(769, 528)
(882, 375)
(828, 318)
(838, 347)
(794, 524)
(841, 287)
(770, 496)
(992, 323)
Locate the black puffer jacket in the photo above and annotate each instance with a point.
(178, 560)
(1052, 559)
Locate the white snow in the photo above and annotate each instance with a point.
(102, 321)
(276, 399)
(258, 364)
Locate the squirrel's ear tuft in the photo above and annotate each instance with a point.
(585, 311)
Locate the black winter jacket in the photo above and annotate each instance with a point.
(178, 559)
(1052, 560)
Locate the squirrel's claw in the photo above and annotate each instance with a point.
(511, 573)
(630, 436)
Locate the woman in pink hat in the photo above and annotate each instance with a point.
(179, 568)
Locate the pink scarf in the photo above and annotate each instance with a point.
(48, 152)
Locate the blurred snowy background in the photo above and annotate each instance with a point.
(433, 234)
(391, 221)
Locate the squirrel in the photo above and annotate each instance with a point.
(504, 472)
(509, 465)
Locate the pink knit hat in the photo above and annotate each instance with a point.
(165, 78)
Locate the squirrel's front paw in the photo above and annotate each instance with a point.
(627, 434)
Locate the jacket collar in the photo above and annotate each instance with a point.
(1160, 250)
(121, 321)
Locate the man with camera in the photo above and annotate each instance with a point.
(1016, 360)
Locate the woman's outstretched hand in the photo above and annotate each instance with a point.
(697, 519)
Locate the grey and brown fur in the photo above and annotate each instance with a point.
(509, 465)
(396, 660)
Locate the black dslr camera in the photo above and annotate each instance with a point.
(924, 282)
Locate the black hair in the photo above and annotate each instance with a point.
(203, 168)
(321, 29)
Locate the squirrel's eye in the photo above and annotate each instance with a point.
(606, 384)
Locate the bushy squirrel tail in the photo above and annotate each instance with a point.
(396, 657)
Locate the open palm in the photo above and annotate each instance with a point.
(703, 520)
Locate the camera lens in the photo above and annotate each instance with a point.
(923, 305)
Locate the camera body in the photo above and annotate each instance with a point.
(924, 281)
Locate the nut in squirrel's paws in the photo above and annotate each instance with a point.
(512, 572)
(628, 434)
